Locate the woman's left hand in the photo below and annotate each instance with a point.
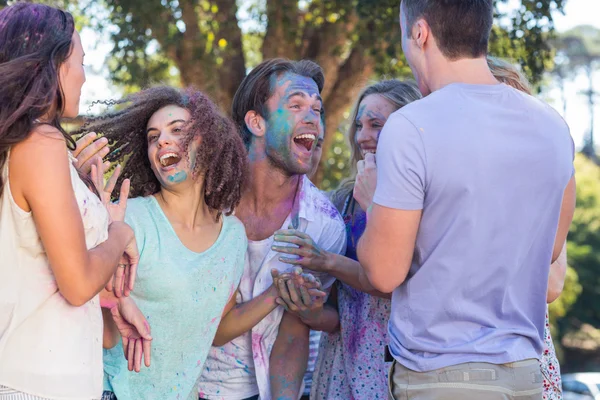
(311, 255)
(115, 210)
(366, 181)
(299, 293)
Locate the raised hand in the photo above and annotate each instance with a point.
(135, 333)
(311, 256)
(366, 181)
(116, 210)
(88, 150)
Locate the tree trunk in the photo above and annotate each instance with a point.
(233, 69)
(353, 75)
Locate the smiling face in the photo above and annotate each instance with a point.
(294, 123)
(373, 112)
(164, 133)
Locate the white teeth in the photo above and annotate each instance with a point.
(163, 159)
(306, 136)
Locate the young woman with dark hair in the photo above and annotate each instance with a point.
(187, 165)
(59, 245)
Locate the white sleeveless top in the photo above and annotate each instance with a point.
(48, 348)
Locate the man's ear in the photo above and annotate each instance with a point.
(421, 32)
(255, 123)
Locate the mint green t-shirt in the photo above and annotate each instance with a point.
(182, 294)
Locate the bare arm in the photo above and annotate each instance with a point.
(556, 279)
(317, 259)
(386, 248)
(567, 210)
(289, 358)
(111, 336)
(44, 188)
(351, 273)
(239, 319)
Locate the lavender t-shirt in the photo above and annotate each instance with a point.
(488, 166)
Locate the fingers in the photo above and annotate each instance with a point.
(305, 296)
(109, 285)
(293, 240)
(86, 157)
(360, 167)
(124, 194)
(126, 289)
(283, 292)
(293, 261)
(118, 288)
(289, 250)
(147, 347)
(292, 232)
(125, 346)
(294, 295)
(134, 257)
(137, 365)
(112, 181)
(370, 160)
(130, 354)
(84, 142)
(317, 293)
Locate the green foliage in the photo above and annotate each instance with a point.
(584, 244)
(337, 160)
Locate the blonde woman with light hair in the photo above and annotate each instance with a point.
(508, 74)
(350, 362)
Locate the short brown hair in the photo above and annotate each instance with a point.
(255, 89)
(461, 27)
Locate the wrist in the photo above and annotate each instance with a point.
(108, 299)
(271, 295)
(121, 229)
(309, 317)
(329, 263)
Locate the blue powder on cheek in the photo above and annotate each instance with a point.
(178, 177)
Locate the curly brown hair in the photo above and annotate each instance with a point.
(221, 158)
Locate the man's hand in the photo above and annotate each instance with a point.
(88, 150)
(300, 294)
(135, 333)
(311, 256)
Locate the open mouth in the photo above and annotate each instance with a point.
(365, 152)
(169, 159)
(305, 140)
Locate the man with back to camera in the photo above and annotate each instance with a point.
(475, 195)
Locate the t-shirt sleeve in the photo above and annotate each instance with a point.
(401, 165)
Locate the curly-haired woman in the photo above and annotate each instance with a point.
(187, 166)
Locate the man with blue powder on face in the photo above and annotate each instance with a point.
(261, 350)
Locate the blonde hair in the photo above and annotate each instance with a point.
(399, 94)
(508, 74)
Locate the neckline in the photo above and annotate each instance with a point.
(172, 232)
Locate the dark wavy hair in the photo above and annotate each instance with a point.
(35, 40)
(221, 158)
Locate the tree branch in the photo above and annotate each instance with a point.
(282, 29)
(325, 46)
(352, 78)
(234, 65)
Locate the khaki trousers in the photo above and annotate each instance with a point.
(470, 381)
